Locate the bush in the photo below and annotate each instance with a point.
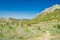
(57, 26)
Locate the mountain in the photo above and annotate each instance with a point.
(48, 14)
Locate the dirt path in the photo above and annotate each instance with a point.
(45, 36)
(56, 37)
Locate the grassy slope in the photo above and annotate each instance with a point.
(47, 16)
(20, 30)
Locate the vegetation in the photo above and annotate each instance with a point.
(43, 26)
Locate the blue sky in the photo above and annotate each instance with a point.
(24, 9)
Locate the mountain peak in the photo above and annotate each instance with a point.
(51, 9)
(57, 6)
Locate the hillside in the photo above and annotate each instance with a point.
(48, 14)
(45, 26)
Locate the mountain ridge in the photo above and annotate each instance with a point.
(48, 12)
